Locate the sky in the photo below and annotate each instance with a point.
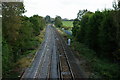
(64, 8)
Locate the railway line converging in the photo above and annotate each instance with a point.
(54, 60)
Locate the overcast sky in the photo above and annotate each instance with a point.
(64, 8)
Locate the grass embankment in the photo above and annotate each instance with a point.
(94, 66)
(26, 60)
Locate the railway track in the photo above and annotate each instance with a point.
(65, 71)
(46, 60)
(77, 71)
(53, 61)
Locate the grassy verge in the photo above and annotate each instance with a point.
(94, 66)
(25, 60)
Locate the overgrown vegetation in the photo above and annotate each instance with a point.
(100, 67)
(19, 36)
(98, 39)
(100, 32)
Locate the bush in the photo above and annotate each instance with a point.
(106, 69)
(101, 67)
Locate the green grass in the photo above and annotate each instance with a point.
(67, 23)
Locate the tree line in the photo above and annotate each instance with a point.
(57, 21)
(100, 31)
(18, 33)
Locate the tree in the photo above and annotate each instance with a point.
(58, 21)
(107, 35)
(48, 19)
(38, 24)
(115, 6)
(94, 24)
(81, 13)
(11, 22)
(76, 25)
(19, 34)
(7, 58)
(25, 35)
(116, 19)
(83, 30)
(42, 23)
(119, 4)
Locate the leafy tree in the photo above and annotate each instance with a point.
(48, 19)
(100, 31)
(83, 30)
(58, 21)
(119, 4)
(115, 6)
(116, 19)
(25, 35)
(76, 25)
(42, 23)
(81, 13)
(107, 36)
(7, 58)
(94, 24)
(11, 22)
(19, 33)
(38, 24)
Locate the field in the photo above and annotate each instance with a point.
(67, 23)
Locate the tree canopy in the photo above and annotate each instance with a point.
(19, 34)
(58, 21)
(100, 31)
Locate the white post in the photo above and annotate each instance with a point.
(69, 42)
